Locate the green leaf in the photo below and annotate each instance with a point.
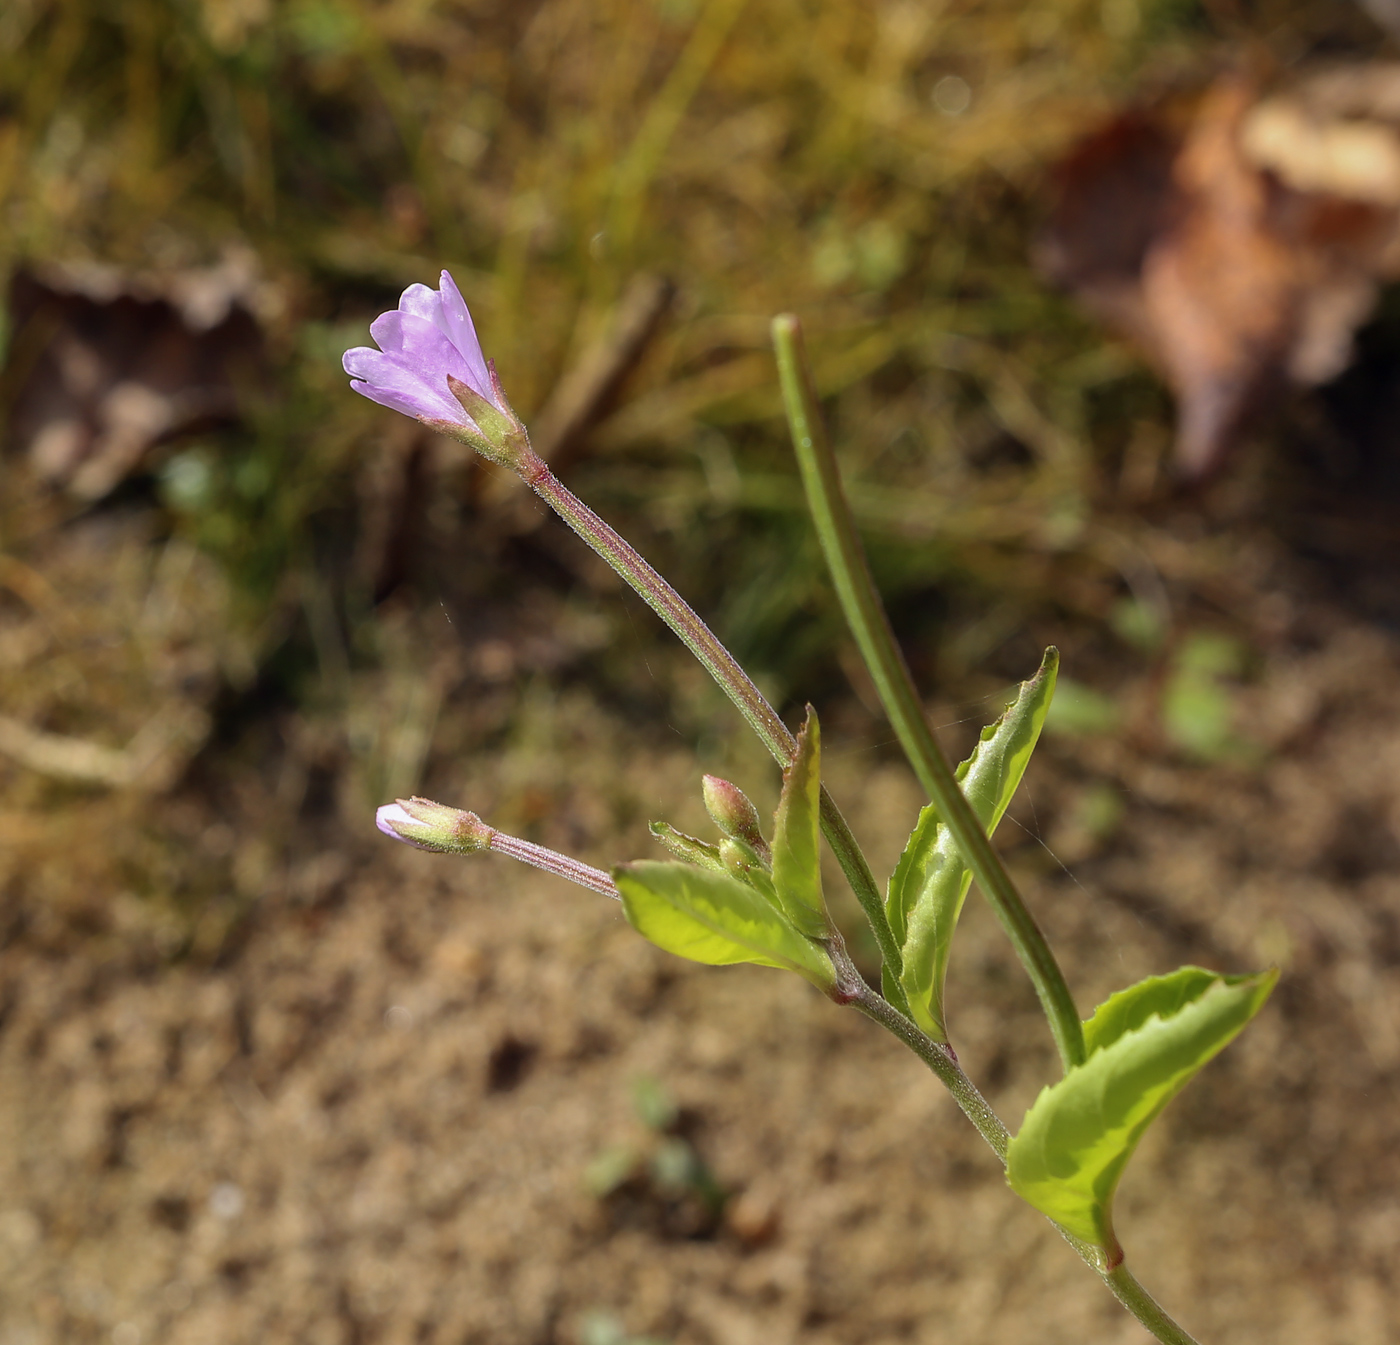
(688, 848)
(930, 883)
(797, 875)
(907, 880)
(713, 918)
(1145, 1045)
(1129, 1009)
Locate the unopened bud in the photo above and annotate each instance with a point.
(741, 862)
(433, 826)
(735, 815)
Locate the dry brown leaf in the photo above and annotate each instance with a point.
(109, 364)
(1236, 279)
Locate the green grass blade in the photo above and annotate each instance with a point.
(1151, 1040)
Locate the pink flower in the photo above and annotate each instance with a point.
(427, 338)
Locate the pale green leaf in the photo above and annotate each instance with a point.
(688, 848)
(713, 918)
(797, 875)
(1145, 1045)
(907, 880)
(930, 883)
(1129, 1009)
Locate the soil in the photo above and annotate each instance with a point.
(408, 1098)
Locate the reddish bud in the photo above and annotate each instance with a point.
(735, 815)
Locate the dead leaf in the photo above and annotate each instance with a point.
(107, 364)
(1235, 276)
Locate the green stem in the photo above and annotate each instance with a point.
(1144, 1307)
(938, 1056)
(865, 614)
(722, 666)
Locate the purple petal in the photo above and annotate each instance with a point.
(423, 303)
(419, 342)
(395, 401)
(387, 331)
(429, 337)
(350, 361)
(399, 375)
(390, 814)
(461, 331)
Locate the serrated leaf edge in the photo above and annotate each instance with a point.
(1101, 1232)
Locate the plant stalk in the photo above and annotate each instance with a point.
(551, 861)
(939, 1057)
(1144, 1307)
(774, 734)
(865, 614)
(723, 667)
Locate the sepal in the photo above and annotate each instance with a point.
(500, 436)
(434, 826)
(689, 849)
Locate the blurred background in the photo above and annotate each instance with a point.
(1100, 298)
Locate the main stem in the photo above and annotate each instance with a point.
(722, 666)
(865, 614)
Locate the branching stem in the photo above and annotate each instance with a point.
(933, 770)
(723, 667)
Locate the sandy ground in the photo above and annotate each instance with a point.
(398, 1102)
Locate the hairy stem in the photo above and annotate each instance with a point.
(723, 667)
(551, 861)
(865, 614)
(1144, 1307)
(938, 1056)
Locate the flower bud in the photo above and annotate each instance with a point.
(735, 815)
(433, 826)
(742, 863)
